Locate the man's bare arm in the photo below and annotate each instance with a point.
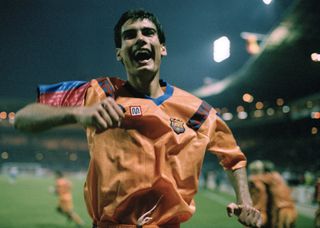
(246, 214)
(37, 117)
(239, 181)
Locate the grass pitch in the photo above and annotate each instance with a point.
(28, 203)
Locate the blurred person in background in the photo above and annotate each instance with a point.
(259, 192)
(147, 138)
(272, 195)
(13, 174)
(317, 200)
(284, 212)
(63, 189)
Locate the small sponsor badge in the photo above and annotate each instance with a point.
(135, 111)
(177, 125)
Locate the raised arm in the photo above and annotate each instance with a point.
(37, 117)
(247, 215)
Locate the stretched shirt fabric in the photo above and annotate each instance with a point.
(149, 166)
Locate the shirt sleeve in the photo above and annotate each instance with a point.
(73, 93)
(223, 144)
(69, 93)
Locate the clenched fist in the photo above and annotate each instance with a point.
(103, 115)
(247, 215)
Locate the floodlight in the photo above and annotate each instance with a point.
(221, 49)
(267, 2)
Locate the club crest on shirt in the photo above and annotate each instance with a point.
(135, 111)
(177, 125)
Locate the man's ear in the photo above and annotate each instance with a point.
(118, 54)
(163, 50)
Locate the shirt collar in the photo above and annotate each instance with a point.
(159, 100)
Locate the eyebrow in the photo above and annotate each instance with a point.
(142, 29)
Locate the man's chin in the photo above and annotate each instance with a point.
(145, 69)
(145, 72)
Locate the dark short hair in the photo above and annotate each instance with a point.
(136, 15)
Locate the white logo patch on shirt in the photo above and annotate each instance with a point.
(135, 111)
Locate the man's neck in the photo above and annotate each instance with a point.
(148, 87)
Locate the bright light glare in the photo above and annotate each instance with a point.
(242, 115)
(315, 57)
(4, 155)
(213, 88)
(259, 105)
(3, 115)
(258, 113)
(285, 109)
(280, 101)
(315, 115)
(221, 49)
(267, 2)
(247, 98)
(270, 111)
(227, 116)
(314, 130)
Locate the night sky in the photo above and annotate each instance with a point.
(48, 41)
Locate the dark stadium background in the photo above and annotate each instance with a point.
(49, 41)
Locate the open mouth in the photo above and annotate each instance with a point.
(142, 55)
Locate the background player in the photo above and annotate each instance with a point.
(271, 195)
(258, 191)
(63, 188)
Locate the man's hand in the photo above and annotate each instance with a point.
(247, 215)
(102, 116)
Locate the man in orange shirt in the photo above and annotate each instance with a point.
(63, 190)
(284, 212)
(258, 191)
(271, 195)
(147, 138)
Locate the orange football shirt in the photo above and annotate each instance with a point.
(151, 164)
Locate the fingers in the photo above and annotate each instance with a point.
(250, 216)
(101, 116)
(246, 214)
(115, 110)
(111, 114)
(108, 114)
(233, 209)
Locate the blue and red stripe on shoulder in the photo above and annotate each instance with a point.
(199, 116)
(72, 93)
(106, 86)
(69, 93)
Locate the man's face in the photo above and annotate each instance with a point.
(140, 50)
